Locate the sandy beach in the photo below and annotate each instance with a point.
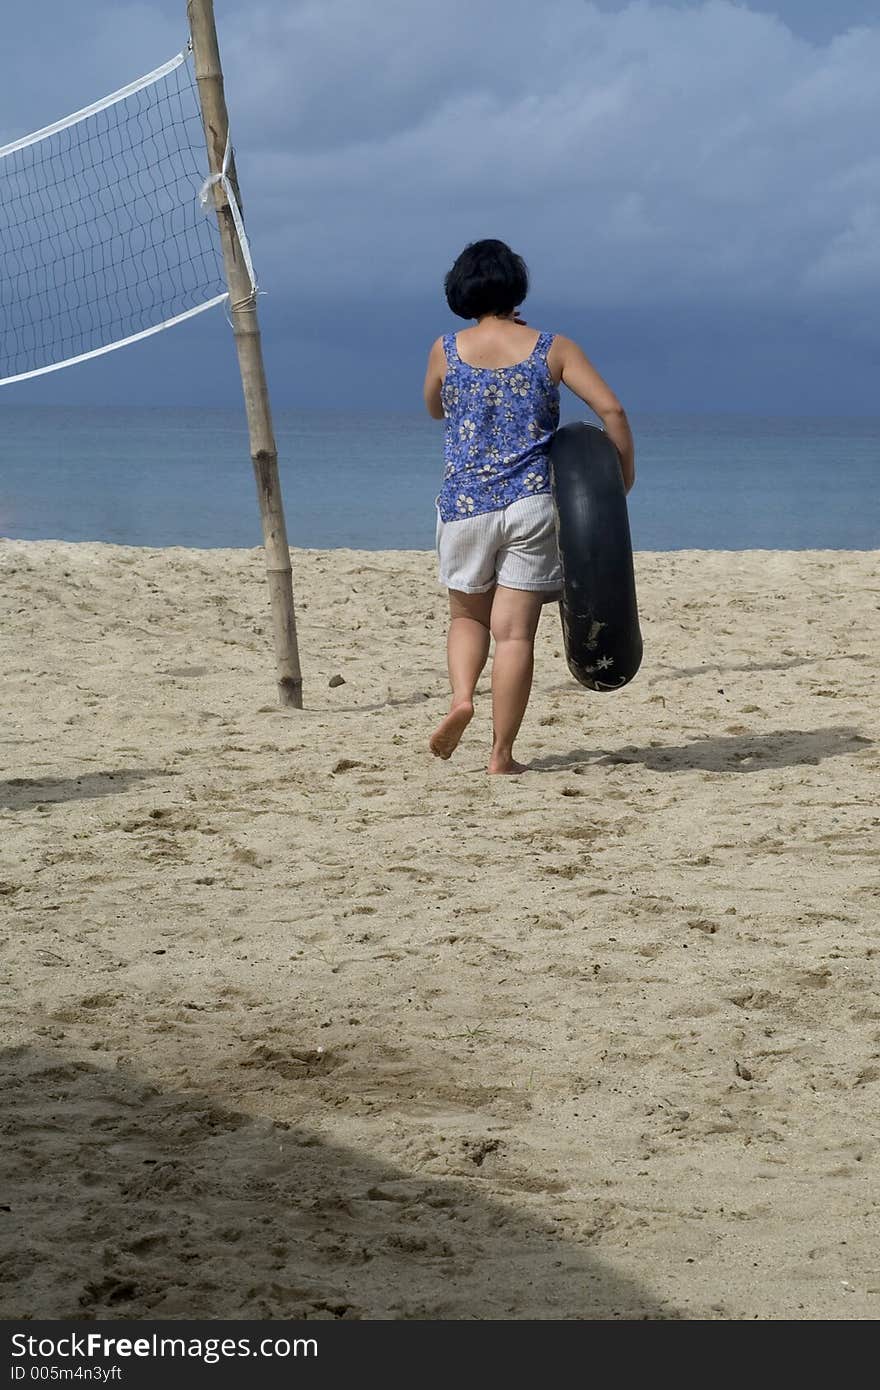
(299, 1021)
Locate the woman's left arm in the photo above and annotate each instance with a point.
(434, 380)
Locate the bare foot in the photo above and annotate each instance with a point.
(508, 765)
(444, 740)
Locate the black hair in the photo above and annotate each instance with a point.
(487, 278)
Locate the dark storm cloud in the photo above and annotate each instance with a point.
(653, 152)
(641, 156)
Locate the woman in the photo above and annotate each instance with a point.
(497, 386)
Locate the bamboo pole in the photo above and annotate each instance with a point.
(243, 309)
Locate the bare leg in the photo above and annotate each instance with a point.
(514, 622)
(467, 647)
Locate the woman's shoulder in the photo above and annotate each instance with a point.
(438, 348)
(443, 344)
(559, 346)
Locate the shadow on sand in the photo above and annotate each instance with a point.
(20, 793)
(709, 668)
(735, 753)
(121, 1200)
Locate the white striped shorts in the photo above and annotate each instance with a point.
(514, 546)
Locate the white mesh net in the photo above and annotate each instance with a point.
(103, 237)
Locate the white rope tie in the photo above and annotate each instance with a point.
(224, 183)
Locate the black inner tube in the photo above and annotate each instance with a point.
(600, 618)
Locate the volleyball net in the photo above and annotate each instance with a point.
(107, 226)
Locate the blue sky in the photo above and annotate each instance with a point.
(695, 186)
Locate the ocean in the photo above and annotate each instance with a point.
(183, 477)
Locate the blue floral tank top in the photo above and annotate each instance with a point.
(500, 422)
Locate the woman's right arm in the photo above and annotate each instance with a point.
(434, 380)
(581, 377)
